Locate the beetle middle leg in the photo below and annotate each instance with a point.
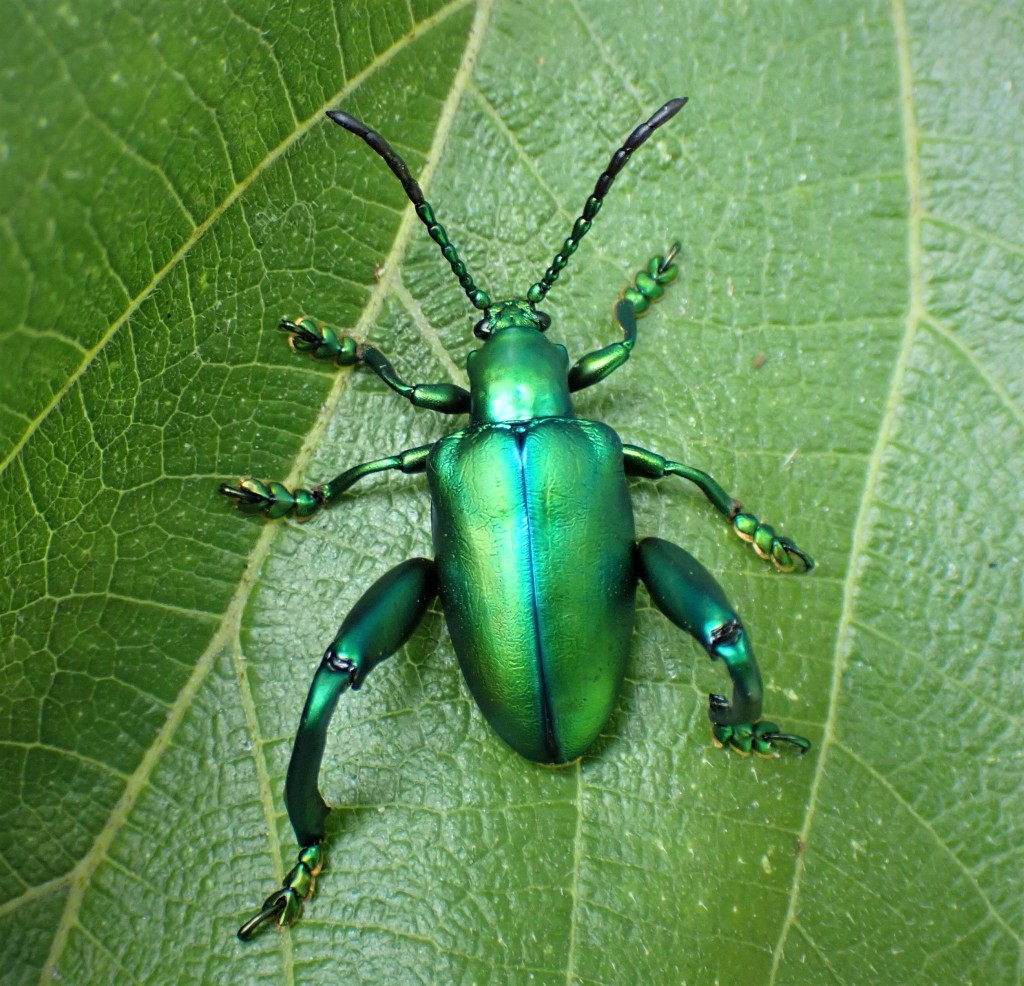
(690, 597)
(273, 500)
(782, 551)
(378, 625)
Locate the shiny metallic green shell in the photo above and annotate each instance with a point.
(537, 575)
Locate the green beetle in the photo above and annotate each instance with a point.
(536, 558)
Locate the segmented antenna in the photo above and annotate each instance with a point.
(480, 299)
(593, 204)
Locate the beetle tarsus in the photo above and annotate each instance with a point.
(285, 905)
(649, 285)
(758, 737)
(781, 551)
(321, 341)
(272, 499)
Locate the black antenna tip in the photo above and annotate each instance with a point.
(669, 110)
(350, 123)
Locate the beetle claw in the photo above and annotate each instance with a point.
(274, 909)
(788, 548)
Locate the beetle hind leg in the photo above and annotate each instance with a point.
(690, 597)
(378, 625)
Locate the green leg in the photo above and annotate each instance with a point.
(322, 342)
(636, 299)
(378, 625)
(690, 597)
(273, 500)
(781, 550)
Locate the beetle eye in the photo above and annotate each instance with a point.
(482, 329)
(545, 321)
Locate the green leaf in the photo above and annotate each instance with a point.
(842, 351)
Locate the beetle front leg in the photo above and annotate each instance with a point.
(378, 625)
(689, 596)
(782, 551)
(647, 288)
(273, 500)
(325, 343)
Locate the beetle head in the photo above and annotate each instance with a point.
(513, 314)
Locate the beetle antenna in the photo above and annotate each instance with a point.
(593, 204)
(480, 299)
